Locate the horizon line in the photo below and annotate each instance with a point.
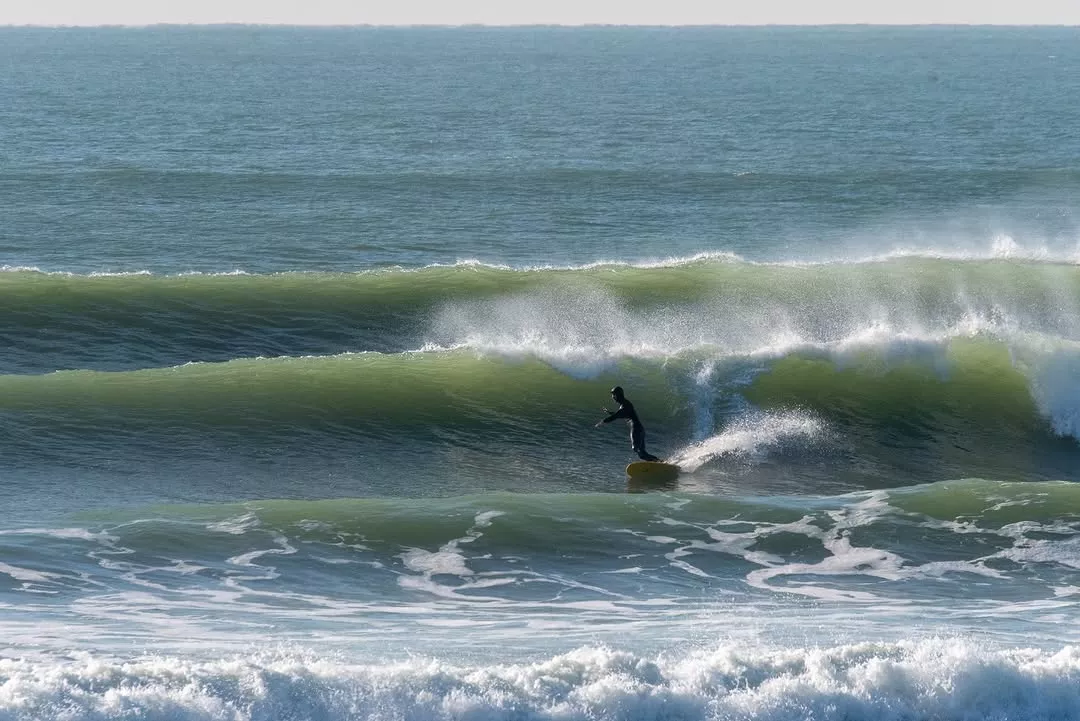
(495, 26)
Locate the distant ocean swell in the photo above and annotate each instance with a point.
(943, 679)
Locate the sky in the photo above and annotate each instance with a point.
(526, 12)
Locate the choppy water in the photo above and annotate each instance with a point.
(305, 331)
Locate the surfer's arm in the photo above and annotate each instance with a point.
(621, 413)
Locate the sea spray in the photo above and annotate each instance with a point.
(748, 435)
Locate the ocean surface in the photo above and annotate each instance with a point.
(303, 334)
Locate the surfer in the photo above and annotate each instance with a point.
(637, 431)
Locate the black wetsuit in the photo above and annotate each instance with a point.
(637, 431)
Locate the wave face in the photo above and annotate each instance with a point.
(847, 374)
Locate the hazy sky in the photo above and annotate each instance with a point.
(512, 12)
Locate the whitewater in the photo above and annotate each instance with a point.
(304, 333)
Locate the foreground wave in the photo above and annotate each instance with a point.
(870, 374)
(919, 681)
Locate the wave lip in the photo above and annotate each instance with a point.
(1001, 247)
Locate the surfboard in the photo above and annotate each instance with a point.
(652, 471)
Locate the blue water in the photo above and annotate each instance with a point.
(304, 333)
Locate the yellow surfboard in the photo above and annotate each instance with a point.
(651, 471)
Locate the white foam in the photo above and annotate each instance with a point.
(448, 560)
(236, 526)
(932, 679)
(1000, 246)
(128, 273)
(248, 561)
(80, 534)
(21, 269)
(668, 262)
(25, 575)
(1050, 544)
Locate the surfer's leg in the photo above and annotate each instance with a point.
(637, 442)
